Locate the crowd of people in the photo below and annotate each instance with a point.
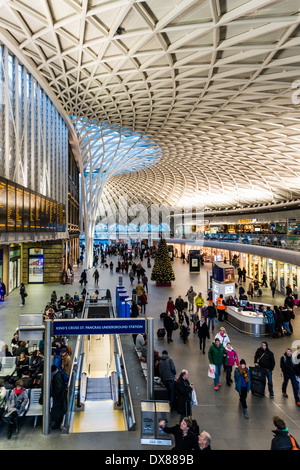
(189, 314)
(195, 314)
(29, 369)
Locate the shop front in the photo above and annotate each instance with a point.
(14, 267)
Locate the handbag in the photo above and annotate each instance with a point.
(25, 295)
(194, 401)
(175, 325)
(211, 371)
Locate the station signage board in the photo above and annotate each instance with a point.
(99, 326)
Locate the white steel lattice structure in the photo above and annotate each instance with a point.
(214, 84)
(106, 151)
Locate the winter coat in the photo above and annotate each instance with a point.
(17, 401)
(212, 313)
(168, 323)
(224, 339)
(281, 440)
(217, 355)
(139, 342)
(58, 393)
(183, 393)
(199, 301)
(232, 357)
(166, 368)
(179, 304)
(264, 358)
(287, 366)
(190, 295)
(238, 380)
(139, 290)
(171, 307)
(187, 443)
(203, 331)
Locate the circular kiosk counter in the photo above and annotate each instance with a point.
(248, 322)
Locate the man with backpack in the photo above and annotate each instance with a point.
(282, 439)
(167, 372)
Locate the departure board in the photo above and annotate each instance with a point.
(26, 210)
(19, 208)
(11, 207)
(38, 213)
(23, 210)
(3, 205)
(32, 212)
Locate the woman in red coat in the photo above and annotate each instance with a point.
(171, 306)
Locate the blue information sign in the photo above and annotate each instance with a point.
(99, 326)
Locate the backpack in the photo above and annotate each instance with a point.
(294, 445)
(195, 428)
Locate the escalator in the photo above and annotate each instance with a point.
(99, 393)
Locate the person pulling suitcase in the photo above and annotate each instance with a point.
(264, 358)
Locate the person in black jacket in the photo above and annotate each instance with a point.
(183, 394)
(169, 326)
(211, 315)
(289, 373)
(204, 441)
(179, 305)
(58, 393)
(185, 439)
(203, 333)
(167, 372)
(264, 358)
(281, 439)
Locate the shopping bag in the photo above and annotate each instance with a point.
(211, 371)
(194, 401)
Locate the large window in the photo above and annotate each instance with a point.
(33, 135)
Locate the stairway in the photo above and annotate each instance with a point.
(98, 389)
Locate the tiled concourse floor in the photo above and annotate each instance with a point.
(217, 412)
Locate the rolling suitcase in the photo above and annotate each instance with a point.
(161, 332)
(258, 381)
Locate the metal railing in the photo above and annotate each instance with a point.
(120, 383)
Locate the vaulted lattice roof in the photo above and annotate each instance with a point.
(214, 84)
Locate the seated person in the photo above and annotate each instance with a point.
(49, 314)
(36, 364)
(144, 351)
(22, 366)
(139, 342)
(22, 348)
(248, 307)
(16, 405)
(230, 301)
(15, 342)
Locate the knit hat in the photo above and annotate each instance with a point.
(242, 361)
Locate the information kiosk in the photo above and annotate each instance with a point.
(223, 281)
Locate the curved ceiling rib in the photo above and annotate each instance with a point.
(212, 84)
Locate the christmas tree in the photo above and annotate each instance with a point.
(162, 271)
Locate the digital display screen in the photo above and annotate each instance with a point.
(11, 207)
(19, 208)
(3, 205)
(23, 210)
(229, 290)
(26, 210)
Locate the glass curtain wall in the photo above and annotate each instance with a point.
(33, 134)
